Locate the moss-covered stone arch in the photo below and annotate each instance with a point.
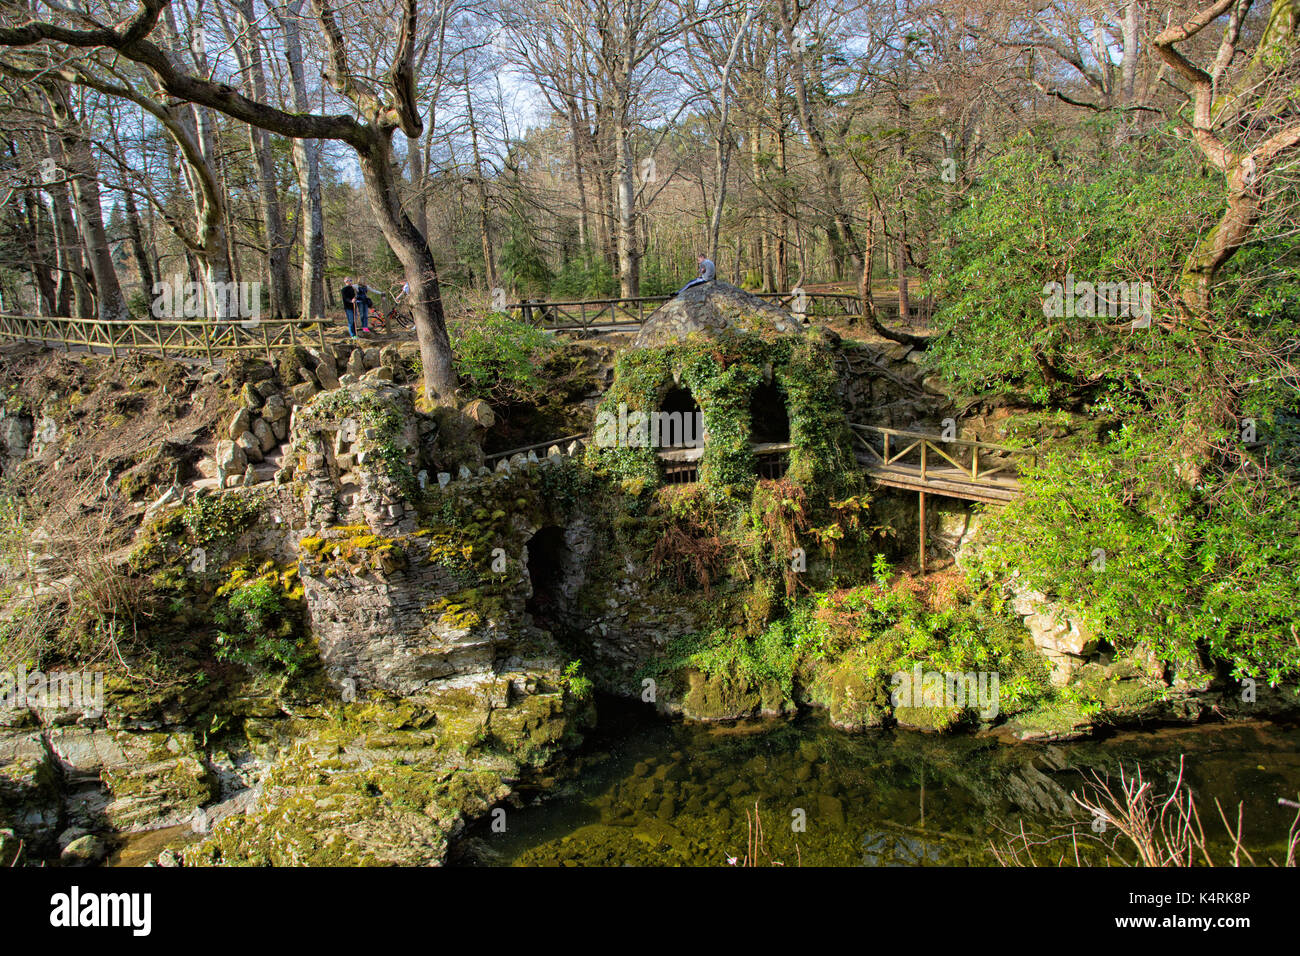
(722, 374)
(821, 446)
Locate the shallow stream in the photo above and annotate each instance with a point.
(644, 791)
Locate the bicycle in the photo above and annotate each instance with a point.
(397, 317)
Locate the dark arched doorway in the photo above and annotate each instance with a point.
(678, 432)
(768, 419)
(680, 423)
(548, 553)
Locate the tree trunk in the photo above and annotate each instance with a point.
(137, 244)
(762, 217)
(277, 247)
(73, 293)
(1242, 170)
(306, 161)
(111, 305)
(259, 144)
(27, 223)
(900, 260)
(629, 256)
(480, 189)
(418, 266)
(783, 214)
(605, 197)
(584, 225)
(826, 165)
(867, 304)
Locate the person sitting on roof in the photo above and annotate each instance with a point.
(707, 273)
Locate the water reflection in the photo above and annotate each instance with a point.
(647, 792)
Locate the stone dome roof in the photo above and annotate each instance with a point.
(710, 308)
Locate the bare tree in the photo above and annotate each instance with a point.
(384, 105)
(248, 45)
(714, 64)
(306, 161)
(84, 174)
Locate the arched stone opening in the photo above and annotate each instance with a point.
(769, 419)
(680, 423)
(548, 555)
(677, 431)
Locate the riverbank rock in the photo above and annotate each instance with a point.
(30, 802)
(1065, 641)
(854, 703)
(15, 437)
(84, 851)
(389, 782)
(726, 697)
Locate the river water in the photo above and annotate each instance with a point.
(648, 792)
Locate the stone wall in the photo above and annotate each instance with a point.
(883, 385)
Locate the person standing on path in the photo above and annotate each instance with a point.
(349, 306)
(363, 305)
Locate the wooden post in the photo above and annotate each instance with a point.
(975, 463)
(157, 331)
(922, 555)
(320, 335)
(207, 344)
(266, 339)
(886, 448)
(924, 445)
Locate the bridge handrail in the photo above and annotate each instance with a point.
(559, 313)
(208, 337)
(969, 442)
(196, 323)
(927, 442)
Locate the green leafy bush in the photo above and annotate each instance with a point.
(260, 621)
(575, 682)
(500, 358)
(1038, 215)
(889, 627)
(1146, 559)
(212, 519)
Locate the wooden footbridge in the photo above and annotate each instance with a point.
(955, 467)
(207, 341)
(934, 465)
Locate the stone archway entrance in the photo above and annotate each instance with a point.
(680, 424)
(769, 419)
(678, 432)
(548, 555)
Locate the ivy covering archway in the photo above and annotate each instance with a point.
(723, 374)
